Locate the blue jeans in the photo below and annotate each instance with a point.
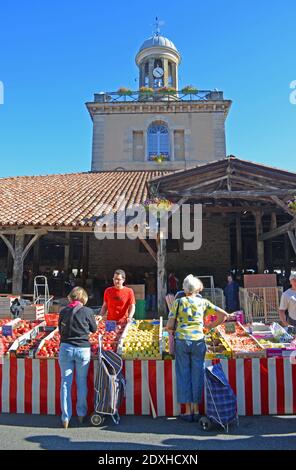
(190, 357)
(151, 302)
(70, 358)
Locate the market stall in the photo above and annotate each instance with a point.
(263, 386)
(261, 371)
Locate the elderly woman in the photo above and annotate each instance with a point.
(186, 321)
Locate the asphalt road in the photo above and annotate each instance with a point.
(35, 432)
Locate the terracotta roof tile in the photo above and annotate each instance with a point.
(68, 199)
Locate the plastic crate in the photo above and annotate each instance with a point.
(140, 312)
(51, 319)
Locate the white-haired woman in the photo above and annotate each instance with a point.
(186, 320)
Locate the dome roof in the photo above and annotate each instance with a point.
(158, 41)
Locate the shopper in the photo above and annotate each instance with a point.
(288, 303)
(150, 287)
(119, 300)
(173, 283)
(186, 321)
(76, 322)
(231, 292)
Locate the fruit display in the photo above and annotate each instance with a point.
(143, 340)
(216, 346)
(28, 346)
(110, 332)
(20, 328)
(241, 343)
(49, 347)
(166, 346)
(272, 343)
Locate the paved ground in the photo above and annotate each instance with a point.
(143, 433)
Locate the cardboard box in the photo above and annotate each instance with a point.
(33, 312)
(260, 280)
(139, 290)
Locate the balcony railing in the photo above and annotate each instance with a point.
(133, 96)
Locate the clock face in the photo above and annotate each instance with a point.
(158, 72)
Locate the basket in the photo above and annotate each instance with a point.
(51, 319)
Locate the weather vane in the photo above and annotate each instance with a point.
(157, 25)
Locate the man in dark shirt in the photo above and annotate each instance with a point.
(231, 292)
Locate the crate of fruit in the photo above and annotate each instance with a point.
(26, 345)
(217, 347)
(51, 319)
(110, 333)
(9, 326)
(21, 328)
(49, 346)
(142, 340)
(241, 343)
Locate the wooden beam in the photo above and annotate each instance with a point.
(279, 231)
(282, 205)
(207, 183)
(149, 249)
(252, 181)
(260, 243)
(161, 274)
(292, 240)
(30, 244)
(251, 194)
(239, 251)
(22, 230)
(8, 244)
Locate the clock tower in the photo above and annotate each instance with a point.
(159, 126)
(158, 61)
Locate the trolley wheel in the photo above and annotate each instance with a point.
(97, 420)
(116, 418)
(205, 424)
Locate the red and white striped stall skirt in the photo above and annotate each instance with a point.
(262, 386)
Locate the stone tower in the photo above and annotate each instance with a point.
(157, 127)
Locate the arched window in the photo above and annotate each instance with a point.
(158, 140)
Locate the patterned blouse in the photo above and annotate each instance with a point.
(190, 318)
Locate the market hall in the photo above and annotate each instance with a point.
(150, 146)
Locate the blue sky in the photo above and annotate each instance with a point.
(55, 54)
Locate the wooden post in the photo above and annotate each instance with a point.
(67, 253)
(161, 274)
(287, 253)
(273, 226)
(85, 252)
(19, 253)
(260, 244)
(36, 258)
(292, 240)
(239, 252)
(9, 268)
(18, 265)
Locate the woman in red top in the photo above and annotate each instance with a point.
(119, 301)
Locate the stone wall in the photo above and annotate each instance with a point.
(213, 258)
(204, 139)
